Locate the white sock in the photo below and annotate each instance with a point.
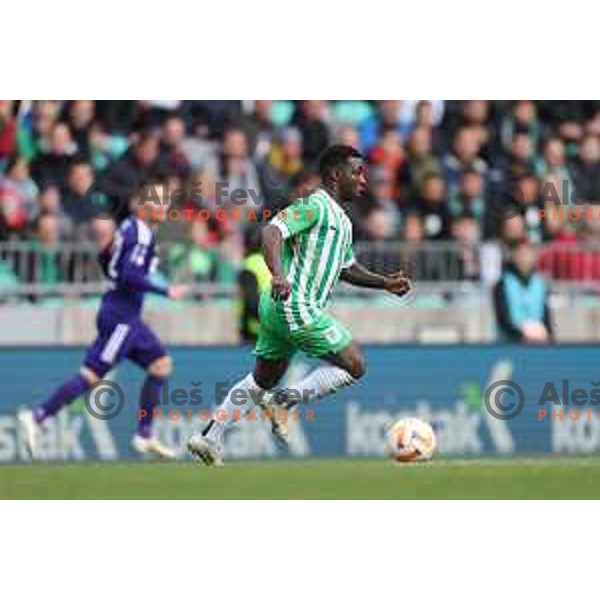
(224, 414)
(321, 382)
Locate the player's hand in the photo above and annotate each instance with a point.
(398, 284)
(280, 288)
(179, 291)
(535, 333)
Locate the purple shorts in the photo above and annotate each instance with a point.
(132, 340)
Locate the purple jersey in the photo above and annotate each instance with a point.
(128, 264)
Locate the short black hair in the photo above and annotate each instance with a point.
(77, 161)
(336, 156)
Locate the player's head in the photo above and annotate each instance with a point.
(343, 169)
(523, 256)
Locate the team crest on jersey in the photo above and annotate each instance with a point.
(332, 334)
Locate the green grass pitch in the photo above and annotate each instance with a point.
(527, 478)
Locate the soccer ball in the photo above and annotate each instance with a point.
(411, 440)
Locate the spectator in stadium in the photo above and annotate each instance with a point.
(432, 207)
(512, 230)
(230, 251)
(573, 254)
(519, 198)
(46, 264)
(77, 198)
(470, 197)
(51, 166)
(212, 118)
(202, 181)
(254, 279)
(521, 300)
(128, 173)
(105, 147)
(530, 205)
(259, 129)
(520, 158)
(592, 126)
(553, 165)
(424, 115)
(425, 118)
(522, 119)
(236, 169)
(381, 199)
(389, 115)
(18, 198)
(35, 131)
(417, 257)
(382, 192)
(153, 113)
(421, 161)
(173, 156)
(388, 154)
(465, 155)
(80, 119)
(586, 172)
(103, 231)
(47, 133)
(49, 203)
(283, 163)
(565, 117)
(310, 120)
(347, 136)
(378, 229)
(467, 233)
(193, 260)
(8, 132)
(476, 115)
(414, 233)
(377, 226)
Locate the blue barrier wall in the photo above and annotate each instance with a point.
(443, 385)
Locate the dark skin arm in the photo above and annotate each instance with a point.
(271, 248)
(356, 274)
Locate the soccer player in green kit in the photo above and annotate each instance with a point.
(307, 249)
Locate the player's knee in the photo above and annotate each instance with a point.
(161, 367)
(90, 376)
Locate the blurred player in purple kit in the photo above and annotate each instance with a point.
(127, 261)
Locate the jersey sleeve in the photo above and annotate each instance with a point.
(349, 258)
(132, 274)
(297, 217)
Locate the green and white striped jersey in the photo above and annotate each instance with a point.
(317, 245)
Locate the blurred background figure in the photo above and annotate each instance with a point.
(310, 119)
(586, 171)
(437, 169)
(138, 165)
(18, 198)
(76, 201)
(432, 207)
(254, 280)
(521, 299)
(237, 172)
(421, 161)
(52, 165)
(465, 155)
(283, 163)
(172, 153)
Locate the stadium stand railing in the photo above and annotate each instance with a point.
(29, 270)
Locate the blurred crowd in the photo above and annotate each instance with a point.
(440, 171)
